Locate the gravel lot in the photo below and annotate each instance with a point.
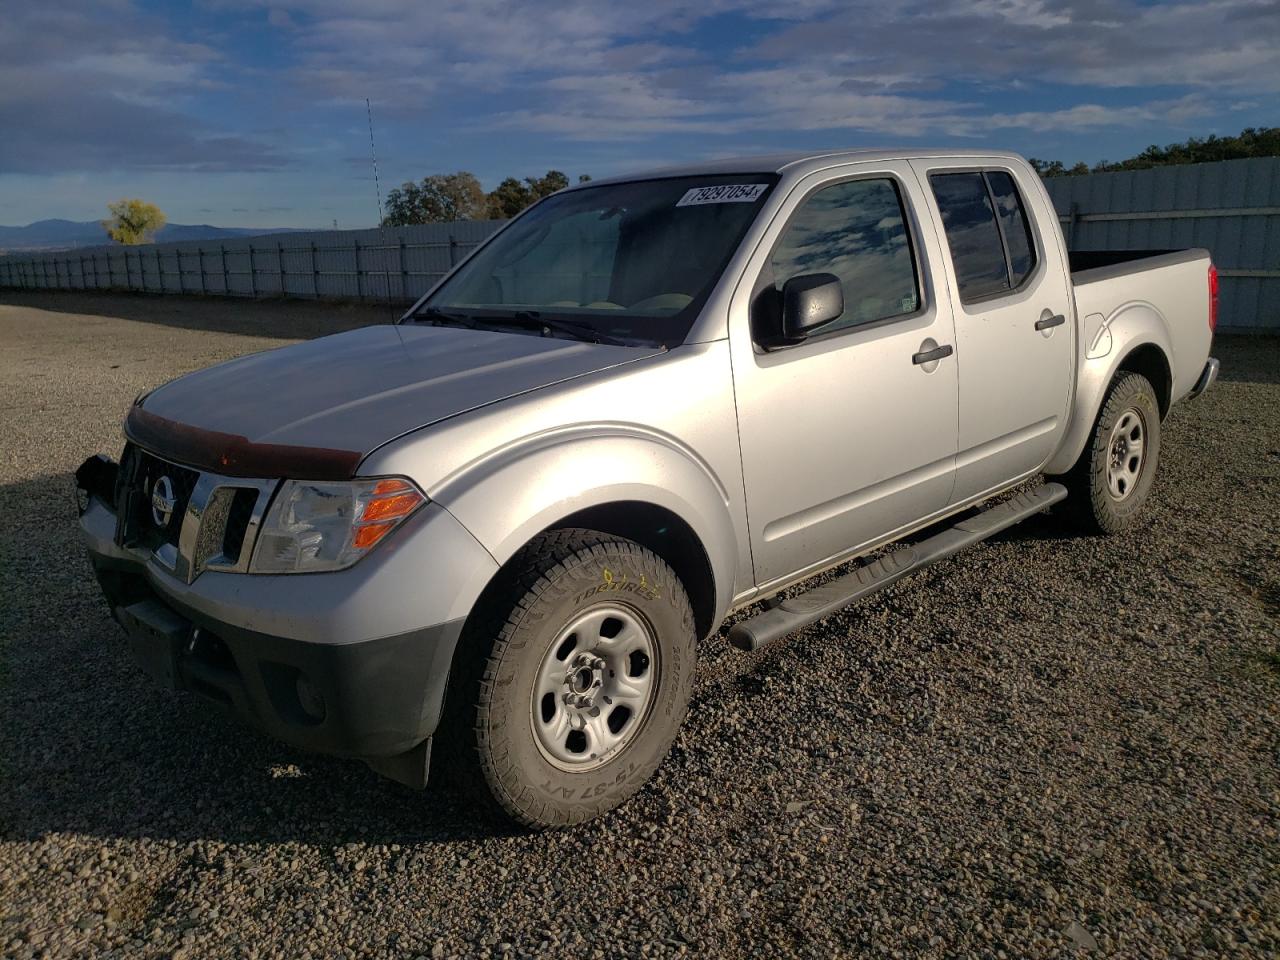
(1048, 745)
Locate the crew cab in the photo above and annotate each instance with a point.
(485, 542)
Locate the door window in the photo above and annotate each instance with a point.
(857, 231)
(987, 230)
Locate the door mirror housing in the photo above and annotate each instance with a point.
(809, 301)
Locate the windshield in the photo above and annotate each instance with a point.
(630, 261)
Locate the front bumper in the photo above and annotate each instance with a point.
(340, 663)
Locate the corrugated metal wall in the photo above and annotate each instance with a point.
(1232, 208)
(397, 262)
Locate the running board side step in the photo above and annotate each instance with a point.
(800, 611)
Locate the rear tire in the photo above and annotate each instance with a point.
(573, 680)
(1110, 482)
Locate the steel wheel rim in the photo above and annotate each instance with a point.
(1126, 453)
(594, 687)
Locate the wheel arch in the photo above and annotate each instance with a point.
(1140, 343)
(636, 487)
(1150, 361)
(666, 534)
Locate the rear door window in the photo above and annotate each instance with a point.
(988, 231)
(972, 234)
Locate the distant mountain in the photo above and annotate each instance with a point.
(69, 234)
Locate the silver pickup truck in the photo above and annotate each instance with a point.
(503, 525)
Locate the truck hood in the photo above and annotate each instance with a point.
(354, 391)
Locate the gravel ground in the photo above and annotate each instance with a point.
(1051, 744)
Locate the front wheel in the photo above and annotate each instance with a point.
(580, 677)
(1111, 481)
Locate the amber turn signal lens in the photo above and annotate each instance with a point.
(390, 501)
(390, 485)
(390, 508)
(366, 537)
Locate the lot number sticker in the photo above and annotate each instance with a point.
(725, 193)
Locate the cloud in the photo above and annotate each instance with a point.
(101, 87)
(630, 107)
(405, 53)
(1091, 116)
(1235, 43)
(110, 86)
(594, 71)
(74, 128)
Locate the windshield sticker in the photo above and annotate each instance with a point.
(725, 193)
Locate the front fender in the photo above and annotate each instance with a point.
(512, 494)
(1103, 349)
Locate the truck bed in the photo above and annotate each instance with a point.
(1171, 286)
(1088, 266)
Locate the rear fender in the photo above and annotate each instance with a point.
(508, 497)
(1103, 352)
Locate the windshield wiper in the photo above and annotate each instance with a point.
(436, 315)
(532, 318)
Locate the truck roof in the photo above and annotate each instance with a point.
(796, 163)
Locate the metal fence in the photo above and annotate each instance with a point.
(396, 263)
(1232, 208)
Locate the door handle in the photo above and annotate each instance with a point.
(928, 356)
(1044, 323)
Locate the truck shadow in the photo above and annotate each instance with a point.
(88, 744)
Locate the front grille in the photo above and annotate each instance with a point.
(224, 510)
(140, 472)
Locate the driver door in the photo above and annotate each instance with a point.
(846, 437)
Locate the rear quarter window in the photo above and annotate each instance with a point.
(1014, 223)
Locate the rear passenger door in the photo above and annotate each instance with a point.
(1013, 309)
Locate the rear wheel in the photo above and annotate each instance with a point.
(1111, 480)
(577, 680)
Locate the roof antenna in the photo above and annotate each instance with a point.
(382, 223)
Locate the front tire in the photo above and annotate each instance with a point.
(1111, 481)
(579, 677)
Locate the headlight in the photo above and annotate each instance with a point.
(315, 525)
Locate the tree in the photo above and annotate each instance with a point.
(439, 198)
(133, 221)
(511, 196)
(443, 197)
(1251, 142)
(1055, 168)
(544, 186)
(507, 199)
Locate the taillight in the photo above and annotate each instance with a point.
(1213, 298)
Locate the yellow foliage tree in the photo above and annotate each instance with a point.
(133, 221)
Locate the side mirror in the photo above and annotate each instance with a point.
(809, 301)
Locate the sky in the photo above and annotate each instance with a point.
(252, 112)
